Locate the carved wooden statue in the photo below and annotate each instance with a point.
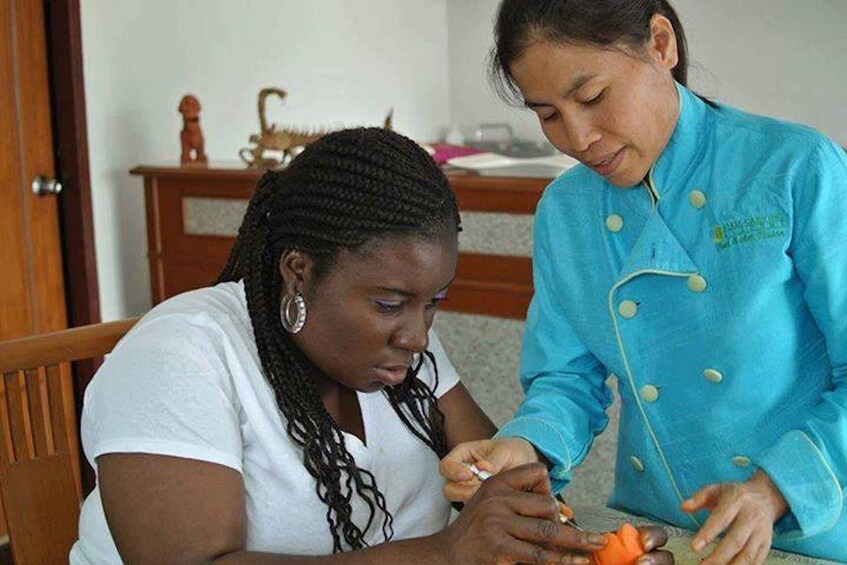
(285, 140)
(191, 136)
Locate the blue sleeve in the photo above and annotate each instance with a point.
(566, 393)
(809, 463)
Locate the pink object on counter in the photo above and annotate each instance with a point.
(445, 151)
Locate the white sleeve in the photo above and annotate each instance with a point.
(447, 375)
(165, 390)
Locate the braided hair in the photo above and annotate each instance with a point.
(342, 191)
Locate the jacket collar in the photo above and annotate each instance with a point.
(657, 250)
(685, 147)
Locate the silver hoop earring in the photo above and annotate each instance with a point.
(293, 323)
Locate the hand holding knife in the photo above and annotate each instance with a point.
(484, 475)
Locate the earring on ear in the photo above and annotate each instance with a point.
(293, 322)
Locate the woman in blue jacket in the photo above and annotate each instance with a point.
(699, 253)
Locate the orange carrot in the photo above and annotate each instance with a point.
(623, 547)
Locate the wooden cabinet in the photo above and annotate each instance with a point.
(193, 214)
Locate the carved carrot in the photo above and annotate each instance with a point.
(623, 547)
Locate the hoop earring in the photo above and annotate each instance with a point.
(295, 323)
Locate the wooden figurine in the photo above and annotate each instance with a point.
(285, 142)
(191, 135)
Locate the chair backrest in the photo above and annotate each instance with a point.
(39, 443)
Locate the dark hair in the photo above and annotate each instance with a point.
(342, 191)
(520, 23)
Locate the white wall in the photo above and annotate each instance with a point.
(343, 62)
(785, 58)
(472, 101)
(348, 61)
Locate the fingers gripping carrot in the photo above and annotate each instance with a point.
(623, 547)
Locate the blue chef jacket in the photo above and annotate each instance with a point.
(716, 291)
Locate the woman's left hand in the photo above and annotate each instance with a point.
(746, 511)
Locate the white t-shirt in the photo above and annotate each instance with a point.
(187, 382)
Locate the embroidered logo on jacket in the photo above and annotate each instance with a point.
(754, 228)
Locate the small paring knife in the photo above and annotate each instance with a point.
(484, 475)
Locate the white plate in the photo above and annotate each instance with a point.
(495, 160)
(494, 164)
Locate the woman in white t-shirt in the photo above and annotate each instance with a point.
(300, 406)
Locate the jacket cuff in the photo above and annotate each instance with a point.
(548, 441)
(801, 473)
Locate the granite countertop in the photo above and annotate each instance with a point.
(602, 519)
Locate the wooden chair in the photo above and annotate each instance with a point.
(39, 442)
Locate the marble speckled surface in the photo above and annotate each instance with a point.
(485, 352)
(604, 519)
(496, 234)
(482, 232)
(213, 216)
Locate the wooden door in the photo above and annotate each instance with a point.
(32, 297)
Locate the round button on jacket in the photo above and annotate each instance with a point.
(628, 309)
(696, 283)
(741, 461)
(712, 375)
(649, 393)
(614, 223)
(697, 199)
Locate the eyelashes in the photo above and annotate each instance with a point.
(388, 306)
(590, 102)
(596, 99)
(547, 118)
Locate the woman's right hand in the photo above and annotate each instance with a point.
(492, 455)
(513, 518)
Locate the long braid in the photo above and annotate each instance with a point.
(414, 397)
(342, 191)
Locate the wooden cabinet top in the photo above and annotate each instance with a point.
(236, 171)
(223, 170)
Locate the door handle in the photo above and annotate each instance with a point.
(43, 186)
